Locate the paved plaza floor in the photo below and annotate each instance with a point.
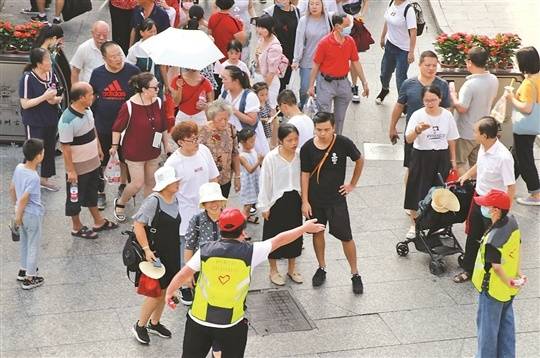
(87, 306)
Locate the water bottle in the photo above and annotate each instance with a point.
(452, 86)
(202, 97)
(74, 193)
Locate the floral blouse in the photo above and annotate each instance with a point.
(201, 230)
(224, 147)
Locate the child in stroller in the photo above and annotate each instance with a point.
(442, 207)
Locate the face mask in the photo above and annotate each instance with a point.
(187, 5)
(346, 31)
(485, 212)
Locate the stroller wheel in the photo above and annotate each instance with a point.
(460, 260)
(402, 249)
(436, 267)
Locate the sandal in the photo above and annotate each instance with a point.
(108, 225)
(253, 219)
(85, 233)
(296, 277)
(119, 216)
(462, 277)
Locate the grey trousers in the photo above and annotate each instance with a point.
(338, 92)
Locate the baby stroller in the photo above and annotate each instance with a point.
(434, 234)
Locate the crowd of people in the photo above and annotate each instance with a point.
(186, 138)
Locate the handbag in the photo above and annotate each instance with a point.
(352, 8)
(74, 8)
(148, 287)
(527, 124)
(361, 36)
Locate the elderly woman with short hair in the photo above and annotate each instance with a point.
(220, 137)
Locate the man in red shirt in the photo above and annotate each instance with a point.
(331, 67)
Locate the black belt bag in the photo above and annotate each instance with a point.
(332, 78)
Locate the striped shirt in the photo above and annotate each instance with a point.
(77, 129)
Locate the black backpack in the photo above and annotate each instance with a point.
(133, 254)
(419, 13)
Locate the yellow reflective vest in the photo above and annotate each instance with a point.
(223, 282)
(507, 239)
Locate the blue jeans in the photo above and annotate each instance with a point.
(496, 329)
(304, 85)
(30, 242)
(394, 58)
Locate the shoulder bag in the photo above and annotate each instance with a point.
(527, 124)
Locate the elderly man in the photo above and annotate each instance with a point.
(82, 154)
(88, 56)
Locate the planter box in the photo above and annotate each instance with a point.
(11, 69)
(505, 78)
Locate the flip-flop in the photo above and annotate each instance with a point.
(108, 225)
(85, 233)
(119, 216)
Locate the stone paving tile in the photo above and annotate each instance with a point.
(527, 345)
(331, 335)
(21, 353)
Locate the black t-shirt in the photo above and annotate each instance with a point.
(111, 90)
(286, 23)
(332, 175)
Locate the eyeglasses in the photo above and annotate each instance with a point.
(191, 140)
(154, 87)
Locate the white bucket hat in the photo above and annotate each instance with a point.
(443, 201)
(164, 176)
(151, 270)
(210, 192)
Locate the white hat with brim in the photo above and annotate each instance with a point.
(164, 176)
(210, 192)
(443, 201)
(150, 270)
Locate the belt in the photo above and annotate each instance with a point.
(332, 78)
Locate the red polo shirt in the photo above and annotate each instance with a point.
(224, 27)
(333, 57)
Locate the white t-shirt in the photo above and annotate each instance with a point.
(219, 67)
(494, 169)
(398, 27)
(193, 172)
(87, 57)
(252, 106)
(443, 128)
(135, 52)
(305, 127)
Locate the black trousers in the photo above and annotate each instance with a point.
(120, 23)
(524, 165)
(226, 189)
(478, 225)
(48, 136)
(198, 339)
(283, 82)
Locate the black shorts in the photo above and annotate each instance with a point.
(338, 220)
(87, 185)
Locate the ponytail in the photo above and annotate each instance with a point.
(237, 74)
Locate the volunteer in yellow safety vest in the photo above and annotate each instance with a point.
(217, 312)
(497, 276)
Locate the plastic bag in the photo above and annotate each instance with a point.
(499, 109)
(112, 171)
(311, 107)
(148, 287)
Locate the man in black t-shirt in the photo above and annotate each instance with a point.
(324, 163)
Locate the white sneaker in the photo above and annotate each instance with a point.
(530, 201)
(411, 234)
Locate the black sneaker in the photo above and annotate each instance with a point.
(158, 329)
(21, 275)
(140, 333)
(319, 277)
(30, 11)
(39, 18)
(381, 96)
(101, 201)
(357, 285)
(30, 283)
(355, 96)
(186, 296)
(121, 188)
(57, 21)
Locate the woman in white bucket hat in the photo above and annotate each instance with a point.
(156, 228)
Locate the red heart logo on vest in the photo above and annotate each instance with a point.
(224, 279)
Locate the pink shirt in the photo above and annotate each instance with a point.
(270, 57)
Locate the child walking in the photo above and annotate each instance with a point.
(249, 172)
(26, 194)
(234, 52)
(266, 113)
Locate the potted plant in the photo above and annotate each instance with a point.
(453, 49)
(18, 38)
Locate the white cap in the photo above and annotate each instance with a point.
(210, 192)
(164, 176)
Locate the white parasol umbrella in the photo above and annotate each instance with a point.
(191, 49)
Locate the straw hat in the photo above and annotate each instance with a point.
(210, 192)
(164, 176)
(443, 201)
(151, 270)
